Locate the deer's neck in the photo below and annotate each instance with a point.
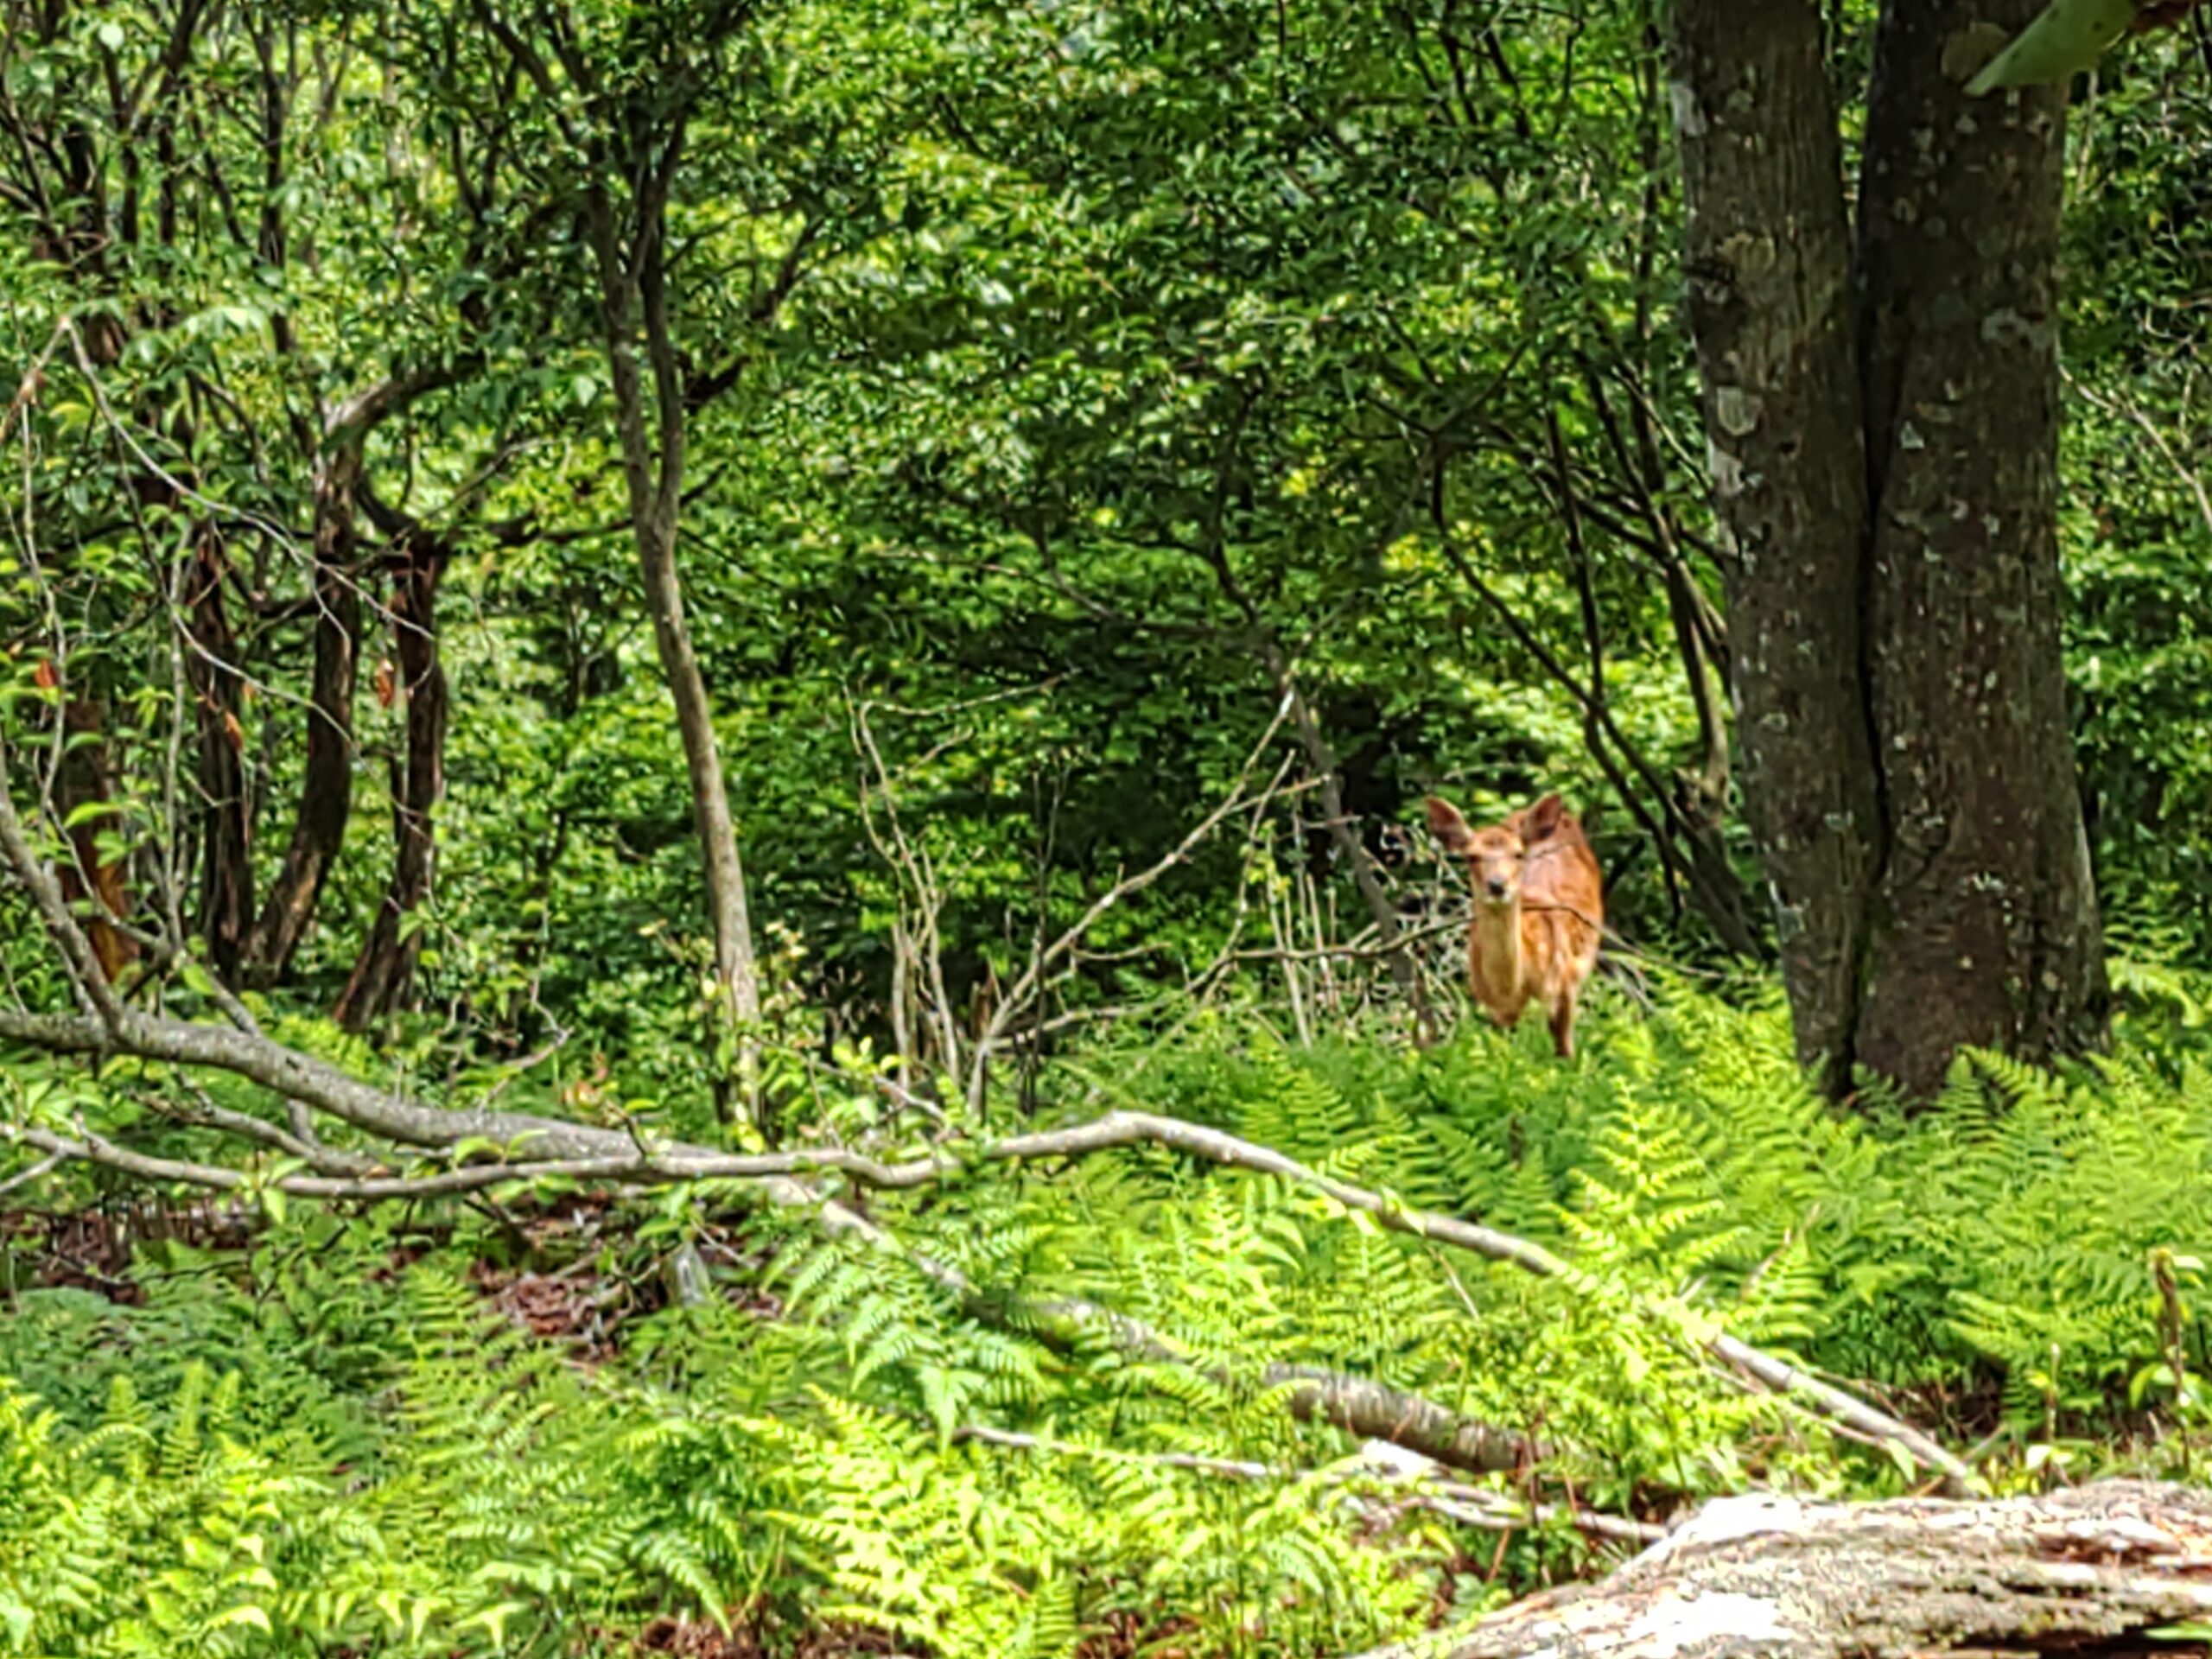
(1496, 944)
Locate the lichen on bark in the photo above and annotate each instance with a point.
(1881, 413)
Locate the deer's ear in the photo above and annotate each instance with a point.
(1443, 820)
(1541, 821)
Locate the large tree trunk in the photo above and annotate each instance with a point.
(1985, 927)
(2093, 1570)
(384, 971)
(1883, 456)
(1769, 265)
(327, 789)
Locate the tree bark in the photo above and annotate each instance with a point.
(86, 779)
(1768, 262)
(1883, 457)
(226, 845)
(2093, 1570)
(716, 825)
(1985, 927)
(327, 790)
(385, 970)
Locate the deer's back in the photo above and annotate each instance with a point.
(1563, 912)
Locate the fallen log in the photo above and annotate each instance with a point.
(2110, 1569)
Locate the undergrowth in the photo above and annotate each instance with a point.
(324, 1443)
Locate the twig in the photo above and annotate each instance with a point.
(45, 1166)
(1417, 1476)
(2190, 479)
(1042, 961)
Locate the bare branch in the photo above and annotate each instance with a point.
(1357, 1405)
(1384, 1466)
(352, 418)
(22, 1178)
(85, 974)
(2185, 475)
(1043, 961)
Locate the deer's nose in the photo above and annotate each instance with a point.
(1496, 885)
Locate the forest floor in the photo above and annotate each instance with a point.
(573, 1305)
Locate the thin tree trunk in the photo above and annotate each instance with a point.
(327, 790)
(711, 817)
(86, 779)
(384, 973)
(226, 851)
(634, 295)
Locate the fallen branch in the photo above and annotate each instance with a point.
(2105, 1569)
(1359, 1406)
(24, 1178)
(1116, 1130)
(1132, 1128)
(1405, 1482)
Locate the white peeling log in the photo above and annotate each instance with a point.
(2093, 1569)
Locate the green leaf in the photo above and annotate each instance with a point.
(2067, 37)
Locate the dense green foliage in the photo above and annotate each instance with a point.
(1069, 392)
(1100, 369)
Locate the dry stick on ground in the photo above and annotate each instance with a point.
(1409, 1482)
(1368, 1409)
(44, 1167)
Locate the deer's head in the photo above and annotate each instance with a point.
(1498, 855)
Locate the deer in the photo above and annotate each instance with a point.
(1539, 908)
